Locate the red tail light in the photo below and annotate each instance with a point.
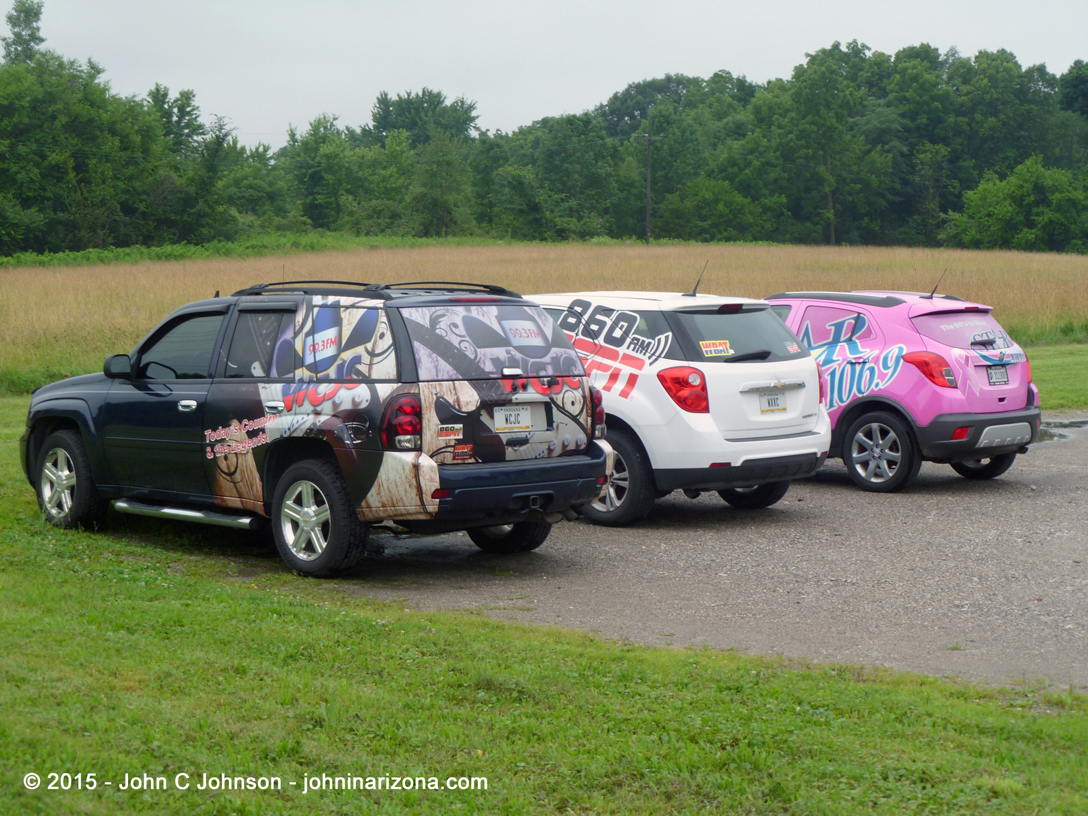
(934, 366)
(402, 423)
(597, 399)
(823, 388)
(1028, 362)
(687, 387)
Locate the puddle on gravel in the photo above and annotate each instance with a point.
(1051, 430)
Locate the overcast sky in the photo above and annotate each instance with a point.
(269, 64)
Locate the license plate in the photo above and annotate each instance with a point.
(999, 375)
(511, 419)
(770, 403)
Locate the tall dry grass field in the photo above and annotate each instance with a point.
(67, 319)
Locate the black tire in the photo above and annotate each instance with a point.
(67, 494)
(755, 498)
(317, 530)
(985, 468)
(879, 453)
(630, 493)
(507, 539)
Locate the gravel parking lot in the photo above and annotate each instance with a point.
(985, 581)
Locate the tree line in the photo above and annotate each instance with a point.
(917, 148)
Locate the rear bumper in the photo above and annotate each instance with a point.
(751, 473)
(506, 492)
(988, 435)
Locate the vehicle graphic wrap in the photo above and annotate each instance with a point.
(852, 367)
(478, 342)
(471, 411)
(613, 350)
(338, 338)
(505, 420)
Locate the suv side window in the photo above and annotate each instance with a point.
(827, 325)
(184, 352)
(256, 336)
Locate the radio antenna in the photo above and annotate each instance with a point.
(941, 278)
(695, 291)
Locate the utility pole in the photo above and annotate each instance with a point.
(649, 138)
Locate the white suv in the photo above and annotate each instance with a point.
(701, 392)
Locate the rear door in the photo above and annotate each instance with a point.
(991, 370)
(498, 382)
(847, 344)
(761, 380)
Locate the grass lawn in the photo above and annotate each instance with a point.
(149, 649)
(1061, 372)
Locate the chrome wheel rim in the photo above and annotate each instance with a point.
(876, 453)
(58, 483)
(619, 482)
(306, 520)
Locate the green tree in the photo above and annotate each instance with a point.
(25, 40)
(1073, 88)
(838, 178)
(80, 165)
(439, 196)
(421, 115)
(625, 112)
(180, 119)
(1035, 209)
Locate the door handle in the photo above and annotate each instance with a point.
(274, 406)
(187, 406)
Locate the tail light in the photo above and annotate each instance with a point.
(1028, 363)
(687, 387)
(402, 423)
(823, 388)
(934, 366)
(597, 399)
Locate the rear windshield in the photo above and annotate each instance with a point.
(463, 342)
(964, 330)
(739, 336)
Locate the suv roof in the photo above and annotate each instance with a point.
(378, 291)
(665, 301)
(878, 298)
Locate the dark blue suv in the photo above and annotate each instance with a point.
(321, 407)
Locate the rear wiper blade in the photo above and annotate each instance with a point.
(762, 354)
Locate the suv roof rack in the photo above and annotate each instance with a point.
(261, 288)
(383, 291)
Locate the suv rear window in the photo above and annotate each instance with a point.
(477, 342)
(963, 330)
(736, 336)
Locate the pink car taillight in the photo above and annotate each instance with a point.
(934, 366)
(687, 387)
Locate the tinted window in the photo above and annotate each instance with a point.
(963, 330)
(256, 335)
(184, 352)
(730, 336)
(463, 342)
(782, 310)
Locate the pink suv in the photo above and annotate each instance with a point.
(912, 377)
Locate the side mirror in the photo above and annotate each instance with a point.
(118, 367)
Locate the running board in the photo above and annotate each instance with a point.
(202, 516)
